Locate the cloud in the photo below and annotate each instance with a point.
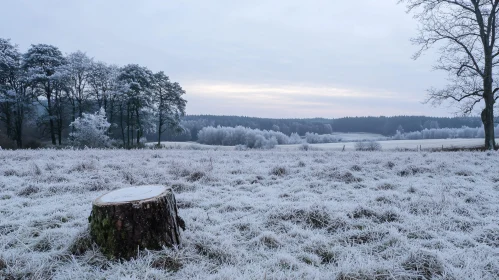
(234, 90)
(258, 58)
(302, 101)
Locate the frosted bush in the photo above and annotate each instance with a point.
(443, 133)
(232, 136)
(304, 147)
(241, 148)
(256, 138)
(90, 130)
(269, 144)
(368, 146)
(314, 138)
(295, 138)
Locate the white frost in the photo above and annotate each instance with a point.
(261, 214)
(133, 193)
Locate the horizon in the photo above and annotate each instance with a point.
(282, 59)
(367, 116)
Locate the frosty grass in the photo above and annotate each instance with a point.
(260, 214)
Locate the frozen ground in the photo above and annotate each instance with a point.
(345, 137)
(350, 146)
(277, 214)
(401, 144)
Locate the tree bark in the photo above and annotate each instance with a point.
(121, 225)
(488, 97)
(128, 125)
(19, 126)
(122, 127)
(139, 126)
(159, 132)
(488, 125)
(48, 92)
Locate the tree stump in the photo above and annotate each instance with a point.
(126, 220)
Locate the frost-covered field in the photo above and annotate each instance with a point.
(277, 214)
(345, 137)
(402, 144)
(350, 146)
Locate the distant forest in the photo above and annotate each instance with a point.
(386, 126)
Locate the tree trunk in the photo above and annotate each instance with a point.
(105, 102)
(19, 128)
(80, 108)
(128, 125)
(59, 115)
(49, 109)
(159, 132)
(109, 115)
(7, 119)
(121, 126)
(488, 97)
(59, 130)
(139, 126)
(133, 218)
(488, 125)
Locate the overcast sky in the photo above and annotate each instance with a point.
(281, 59)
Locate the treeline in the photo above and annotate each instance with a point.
(43, 91)
(251, 138)
(443, 133)
(256, 138)
(386, 126)
(267, 139)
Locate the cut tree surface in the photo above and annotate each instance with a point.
(131, 194)
(125, 220)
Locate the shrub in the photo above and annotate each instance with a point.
(295, 138)
(443, 133)
(304, 147)
(232, 136)
(339, 176)
(279, 171)
(90, 130)
(241, 147)
(196, 176)
(368, 146)
(256, 138)
(314, 138)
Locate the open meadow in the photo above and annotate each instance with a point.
(260, 214)
(349, 145)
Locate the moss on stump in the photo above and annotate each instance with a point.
(124, 221)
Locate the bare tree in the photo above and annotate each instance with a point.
(465, 33)
(136, 84)
(15, 94)
(78, 69)
(169, 104)
(43, 62)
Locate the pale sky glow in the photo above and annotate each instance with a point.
(292, 101)
(279, 58)
(242, 91)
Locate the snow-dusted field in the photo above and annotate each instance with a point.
(425, 144)
(276, 214)
(401, 144)
(345, 137)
